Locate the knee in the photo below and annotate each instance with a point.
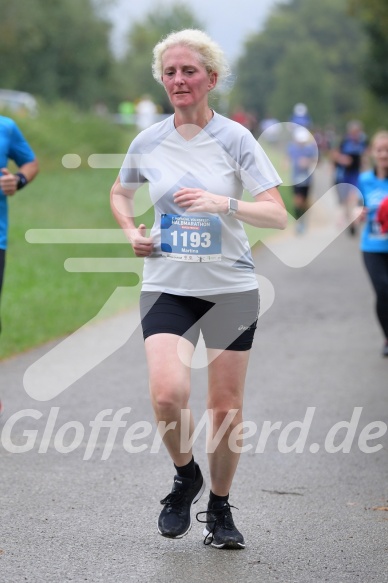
(220, 413)
(167, 401)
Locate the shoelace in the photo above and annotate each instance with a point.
(222, 517)
(173, 500)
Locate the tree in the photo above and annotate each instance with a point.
(56, 50)
(375, 11)
(373, 14)
(309, 49)
(142, 38)
(293, 83)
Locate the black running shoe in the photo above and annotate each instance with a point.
(175, 518)
(220, 530)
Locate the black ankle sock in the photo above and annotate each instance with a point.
(218, 500)
(187, 471)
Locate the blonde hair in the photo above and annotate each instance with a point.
(209, 52)
(380, 134)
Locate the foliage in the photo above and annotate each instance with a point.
(64, 129)
(309, 52)
(297, 65)
(373, 15)
(57, 50)
(375, 11)
(142, 38)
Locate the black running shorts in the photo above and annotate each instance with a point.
(227, 321)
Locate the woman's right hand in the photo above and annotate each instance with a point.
(142, 245)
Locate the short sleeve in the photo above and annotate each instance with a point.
(256, 170)
(131, 175)
(19, 150)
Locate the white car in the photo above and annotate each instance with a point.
(18, 102)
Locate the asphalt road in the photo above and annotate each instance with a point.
(313, 515)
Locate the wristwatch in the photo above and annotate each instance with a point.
(22, 180)
(232, 206)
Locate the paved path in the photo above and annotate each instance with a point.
(307, 517)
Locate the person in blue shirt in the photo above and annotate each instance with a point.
(373, 185)
(303, 155)
(348, 160)
(13, 146)
(301, 116)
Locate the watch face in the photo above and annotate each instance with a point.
(233, 205)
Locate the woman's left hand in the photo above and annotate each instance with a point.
(197, 200)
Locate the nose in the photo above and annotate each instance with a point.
(179, 80)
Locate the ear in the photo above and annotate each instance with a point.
(213, 78)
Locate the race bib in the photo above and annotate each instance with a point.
(375, 231)
(185, 238)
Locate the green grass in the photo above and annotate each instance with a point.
(41, 300)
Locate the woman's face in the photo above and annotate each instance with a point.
(380, 152)
(185, 78)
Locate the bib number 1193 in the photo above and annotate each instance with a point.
(193, 239)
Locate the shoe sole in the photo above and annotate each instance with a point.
(231, 545)
(195, 500)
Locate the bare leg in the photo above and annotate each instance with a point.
(169, 382)
(227, 375)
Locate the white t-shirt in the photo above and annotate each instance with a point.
(198, 254)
